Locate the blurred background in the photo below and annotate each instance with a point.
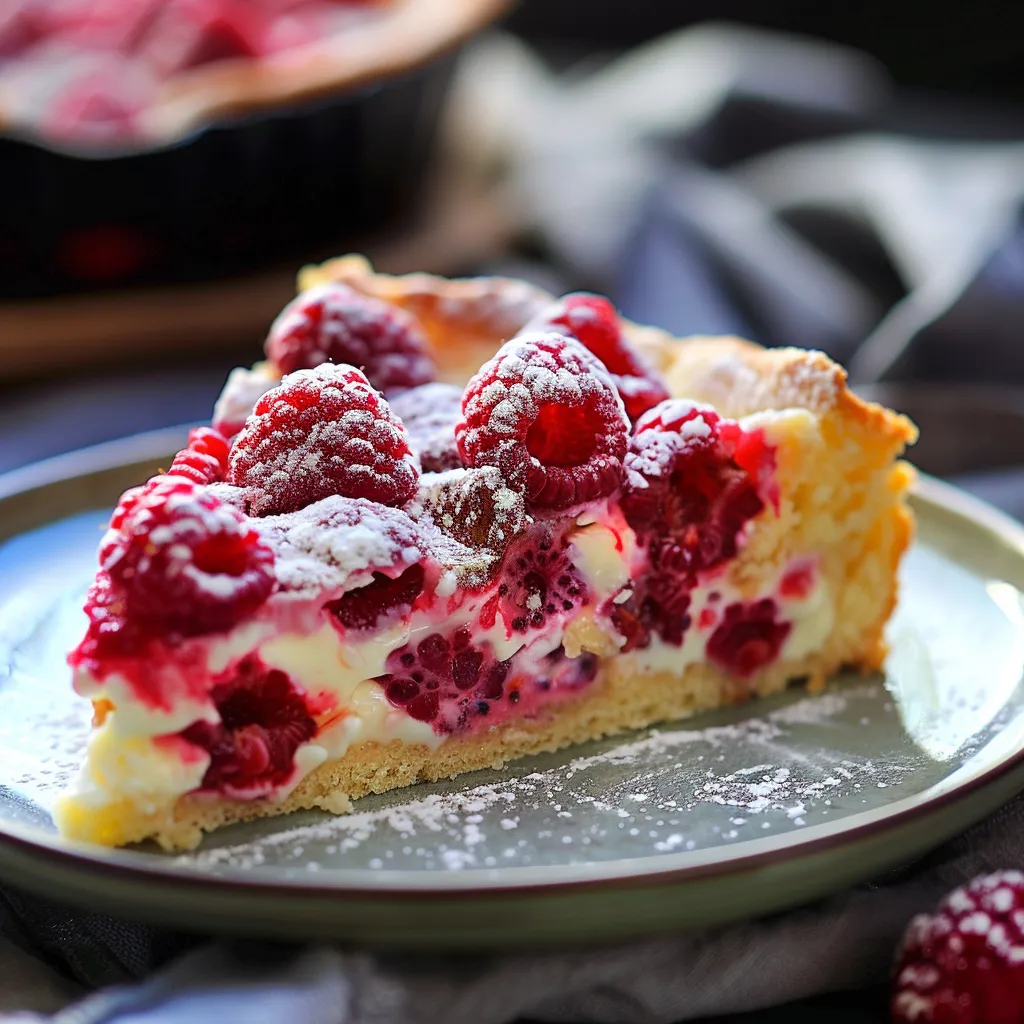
(839, 176)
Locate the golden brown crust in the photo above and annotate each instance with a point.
(465, 320)
(402, 35)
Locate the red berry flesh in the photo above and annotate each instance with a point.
(964, 964)
(430, 413)
(322, 432)
(205, 460)
(445, 680)
(748, 638)
(264, 719)
(384, 597)
(180, 557)
(546, 414)
(592, 321)
(693, 481)
(333, 323)
(538, 580)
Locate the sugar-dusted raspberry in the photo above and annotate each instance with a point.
(204, 460)
(321, 432)
(545, 413)
(964, 964)
(333, 323)
(430, 413)
(748, 638)
(180, 557)
(538, 580)
(686, 491)
(264, 719)
(693, 481)
(592, 320)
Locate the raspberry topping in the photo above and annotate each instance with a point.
(546, 414)
(205, 460)
(430, 413)
(538, 580)
(321, 432)
(333, 323)
(340, 543)
(592, 320)
(473, 506)
(748, 638)
(181, 558)
(364, 607)
(264, 719)
(693, 481)
(964, 964)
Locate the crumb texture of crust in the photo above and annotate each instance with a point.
(842, 500)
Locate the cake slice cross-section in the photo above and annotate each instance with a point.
(446, 524)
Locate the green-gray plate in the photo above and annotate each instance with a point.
(725, 816)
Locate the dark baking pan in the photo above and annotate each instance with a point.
(230, 198)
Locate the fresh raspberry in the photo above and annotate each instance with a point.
(333, 323)
(204, 460)
(964, 964)
(364, 607)
(184, 559)
(110, 634)
(545, 413)
(748, 638)
(538, 580)
(321, 432)
(264, 719)
(592, 320)
(693, 481)
(687, 492)
(430, 413)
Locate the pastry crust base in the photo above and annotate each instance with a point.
(842, 501)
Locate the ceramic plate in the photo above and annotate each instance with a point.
(720, 817)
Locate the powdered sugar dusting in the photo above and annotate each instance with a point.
(653, 793)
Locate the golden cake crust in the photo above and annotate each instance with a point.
(842, 492)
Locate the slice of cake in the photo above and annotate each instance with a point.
(368, 572)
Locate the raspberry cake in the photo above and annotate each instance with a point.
(114, 73)
(368, 572)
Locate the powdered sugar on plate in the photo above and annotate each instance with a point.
(737, 778)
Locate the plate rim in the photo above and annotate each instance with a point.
(133, 866)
